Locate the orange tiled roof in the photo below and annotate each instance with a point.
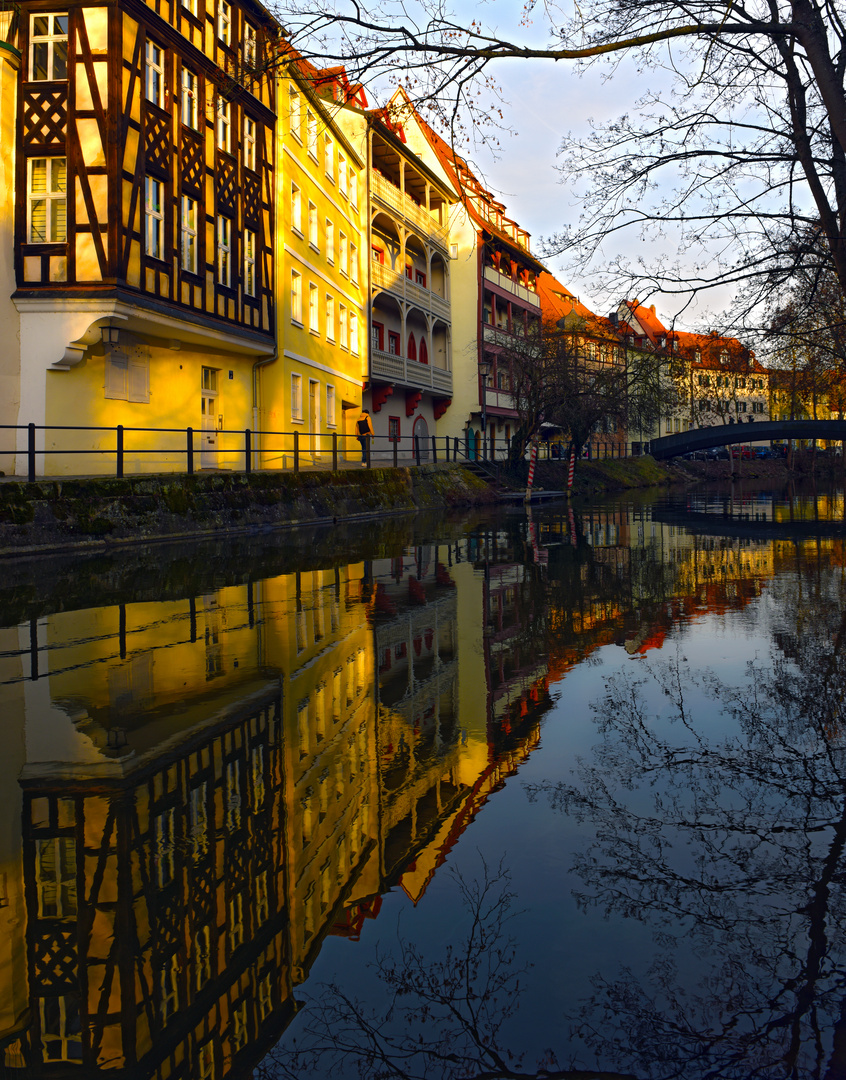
(557, 301)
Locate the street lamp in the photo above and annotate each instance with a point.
(485, 365)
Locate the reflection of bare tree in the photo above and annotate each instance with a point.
(443, 1017)
(731, 849)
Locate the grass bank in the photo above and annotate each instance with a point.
(51, 515)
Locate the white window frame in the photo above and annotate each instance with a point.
(50, 196)
(224, 21)
(190, 6)
(223, 125)
(249, 262)
(330, 241)
(224, 251)
(154, 79)
(250, 52)
(330, 317)
(353, 320)
(329, 157)
(296, 397)
(154, 238)
(295, 114)
(313, 308)
(311, 134)
(188, 218)
(343, 254)
(189, 99)
(249, 143)
(313, 228)
(51, 39)
(331, 415)
(354, 264)
(296, 297)
(296, 209)
(342, 174)
(343, 329)
(354, 188)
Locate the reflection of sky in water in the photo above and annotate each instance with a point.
(439, 648)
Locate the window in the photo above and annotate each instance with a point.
(354, 333)
(224, 21)
(330, 241)
(420, 278)
(189, 98)
(312, 225)
(250, 45)
(313, 314)
(295, 114)
(311, 133)
(296, 209)
(61, 1029)
(249, 262)
(296, 397)
(154, 74)
(408, 269)
(342, 174)
(328, 158)
(188, 234)
(202, 956)
(353, 188)
(127, 377)
(224, 251)
(190, 6)
(330, 317)
(169, 986)
(55, 872)
(740, 406)
(296, 297)
(740, 384)
(393, 343)
(377, 335)
(343, 256)
(47, 203)
(224, 125)
(377, 254)
(48, 47)
(342, 326)
(249, 143)
(330, 406)
(393, 429)
(354, 263)
(153, 218)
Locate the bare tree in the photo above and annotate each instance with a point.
(735, 164)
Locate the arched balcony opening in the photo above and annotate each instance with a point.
(439, 283)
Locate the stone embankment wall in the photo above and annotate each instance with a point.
(53, 514)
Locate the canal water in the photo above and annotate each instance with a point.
(441, 797)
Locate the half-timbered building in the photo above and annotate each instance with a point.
(143, 219)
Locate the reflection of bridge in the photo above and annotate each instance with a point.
(703, 438)
(735, 528)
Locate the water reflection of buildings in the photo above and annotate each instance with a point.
(210, 786)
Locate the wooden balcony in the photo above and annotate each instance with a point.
(400, 369)
(507, 284)
(392, 281)
(393, 199)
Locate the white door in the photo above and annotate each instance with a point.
(209, 411)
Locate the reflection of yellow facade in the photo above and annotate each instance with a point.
(316, 627)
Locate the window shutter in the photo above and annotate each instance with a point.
(117, 372)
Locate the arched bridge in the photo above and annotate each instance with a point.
(705, 437)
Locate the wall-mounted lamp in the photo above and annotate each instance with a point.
(110, 335)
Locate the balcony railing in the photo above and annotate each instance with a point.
(396, 200)
(502, 281)
(499, 399)
(385, 277)
(401, 369)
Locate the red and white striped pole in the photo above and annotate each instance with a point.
(572, 470)
(532, 459)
